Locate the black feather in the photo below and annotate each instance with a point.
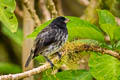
(44, 39)
(29, 59)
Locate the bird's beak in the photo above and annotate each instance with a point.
(67, 20)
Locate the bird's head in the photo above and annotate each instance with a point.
(60, 22)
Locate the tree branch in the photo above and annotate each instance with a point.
(18, 11)
(58, 5)
(25, 74)
(101, 50)
(30, 72)
(66, 49)
(32, 13)
(44, 10)
(52, 9)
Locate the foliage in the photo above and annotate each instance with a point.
(69, 75)
(102, 67)
(106, 17)
(8, 26)
(16, 37)
(112, 30)
(7, 17)
(108, 25)
(6, 68)
(105, 67)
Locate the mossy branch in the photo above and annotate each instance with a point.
(69, 47)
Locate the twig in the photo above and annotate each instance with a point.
(101, 50)
(30, 72)
(18, 11)
(51, 7)
(73, 48)
(44, 11)
(25, 74)
(32, 13)
(58, 5)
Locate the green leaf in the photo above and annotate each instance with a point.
(9, 5)
(117, 33)
(17, 37)
(6, 68)
(104, 67)
(105, 17)
(70, 75)
(77, 28)
(7, 17)
(117, 46)
(109, 30)
(112, 30)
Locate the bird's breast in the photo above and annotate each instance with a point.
(55, 47)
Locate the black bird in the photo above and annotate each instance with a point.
(50, 40)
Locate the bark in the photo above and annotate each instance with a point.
(28, 26)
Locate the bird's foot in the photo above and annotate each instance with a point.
(51, 64)
(48, 60)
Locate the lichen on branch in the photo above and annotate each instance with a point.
(70, 47)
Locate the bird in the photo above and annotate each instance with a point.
(50, 40)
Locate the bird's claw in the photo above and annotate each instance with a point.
(52, 65)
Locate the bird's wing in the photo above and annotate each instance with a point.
(44, 38)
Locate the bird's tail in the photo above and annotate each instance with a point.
(29, 59)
